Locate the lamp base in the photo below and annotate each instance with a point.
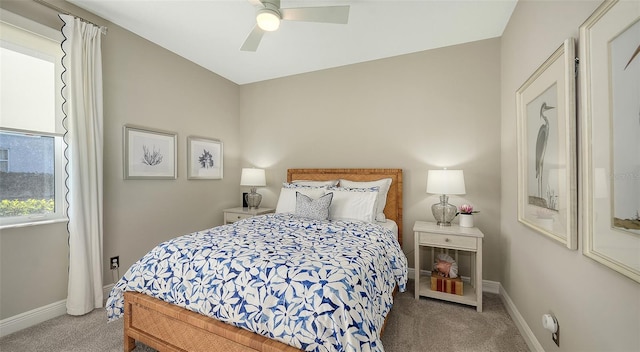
(253, 199)
(444, 212)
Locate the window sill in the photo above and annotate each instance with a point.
(33, 223)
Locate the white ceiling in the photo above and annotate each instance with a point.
(210, 32)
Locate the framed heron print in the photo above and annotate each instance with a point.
(149, 153)
(204, 158)
(610, 136)
(546, 122)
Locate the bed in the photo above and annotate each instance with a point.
(317, 285)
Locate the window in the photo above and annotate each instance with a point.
(31, 143)
(4, 160)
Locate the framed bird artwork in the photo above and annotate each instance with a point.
(546, 120)
(610, 136)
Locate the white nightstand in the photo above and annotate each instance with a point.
(234, 214)
(429, 234)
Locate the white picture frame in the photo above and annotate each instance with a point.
(546, 123)
(149, 154)
(204, 158)
(610, 116)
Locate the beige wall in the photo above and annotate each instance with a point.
(438, 108)
(597, 308)
(147, 86)
(33, 267)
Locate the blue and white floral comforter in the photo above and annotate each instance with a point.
(315, 285)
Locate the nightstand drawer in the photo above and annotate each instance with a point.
(233, 217)
(445, 241)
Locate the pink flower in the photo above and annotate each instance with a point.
(466, 209)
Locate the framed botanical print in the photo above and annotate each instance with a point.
(204, 158)
(546, 120)
(149, 153)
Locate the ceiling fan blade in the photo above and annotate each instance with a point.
(326, 14)
(256, 3)
(253, 39)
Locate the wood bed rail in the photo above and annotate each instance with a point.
(167, 327)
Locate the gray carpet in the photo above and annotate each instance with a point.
(434, 325)
(424, 325)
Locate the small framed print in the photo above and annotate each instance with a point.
(204, 158)
(149, 154)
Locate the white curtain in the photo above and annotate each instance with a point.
(82, 92)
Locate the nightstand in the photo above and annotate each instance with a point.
(429, 234)
(234, 214)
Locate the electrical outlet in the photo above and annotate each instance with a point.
(114, 262)
(551, 323)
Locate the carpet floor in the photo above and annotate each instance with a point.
(423, 325)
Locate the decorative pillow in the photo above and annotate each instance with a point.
(384, 185)
(317, 209)
(353, 203)
(287, 199)
(330, 183)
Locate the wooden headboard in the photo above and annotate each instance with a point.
(393, 209)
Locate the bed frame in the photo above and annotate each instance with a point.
(166, 327)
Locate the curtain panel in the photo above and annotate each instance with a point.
(83, 121)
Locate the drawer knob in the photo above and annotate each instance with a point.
(238, 217)
(447, 240)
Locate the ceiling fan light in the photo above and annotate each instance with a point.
(268, 20)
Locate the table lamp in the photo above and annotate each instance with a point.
(445, 182)
(253, 178)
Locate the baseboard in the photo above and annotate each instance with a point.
(32, 317)
(491, 286)
(39, 315)
(105, 293)
(521, 324)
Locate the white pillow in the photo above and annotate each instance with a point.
(330, 183)
(384, 185)
(353, 203)
(287, 199)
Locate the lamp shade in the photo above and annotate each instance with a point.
(253, 177)
(445, 182)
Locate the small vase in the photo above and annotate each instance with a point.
(466, 220)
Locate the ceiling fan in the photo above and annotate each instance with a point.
(269, 14)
